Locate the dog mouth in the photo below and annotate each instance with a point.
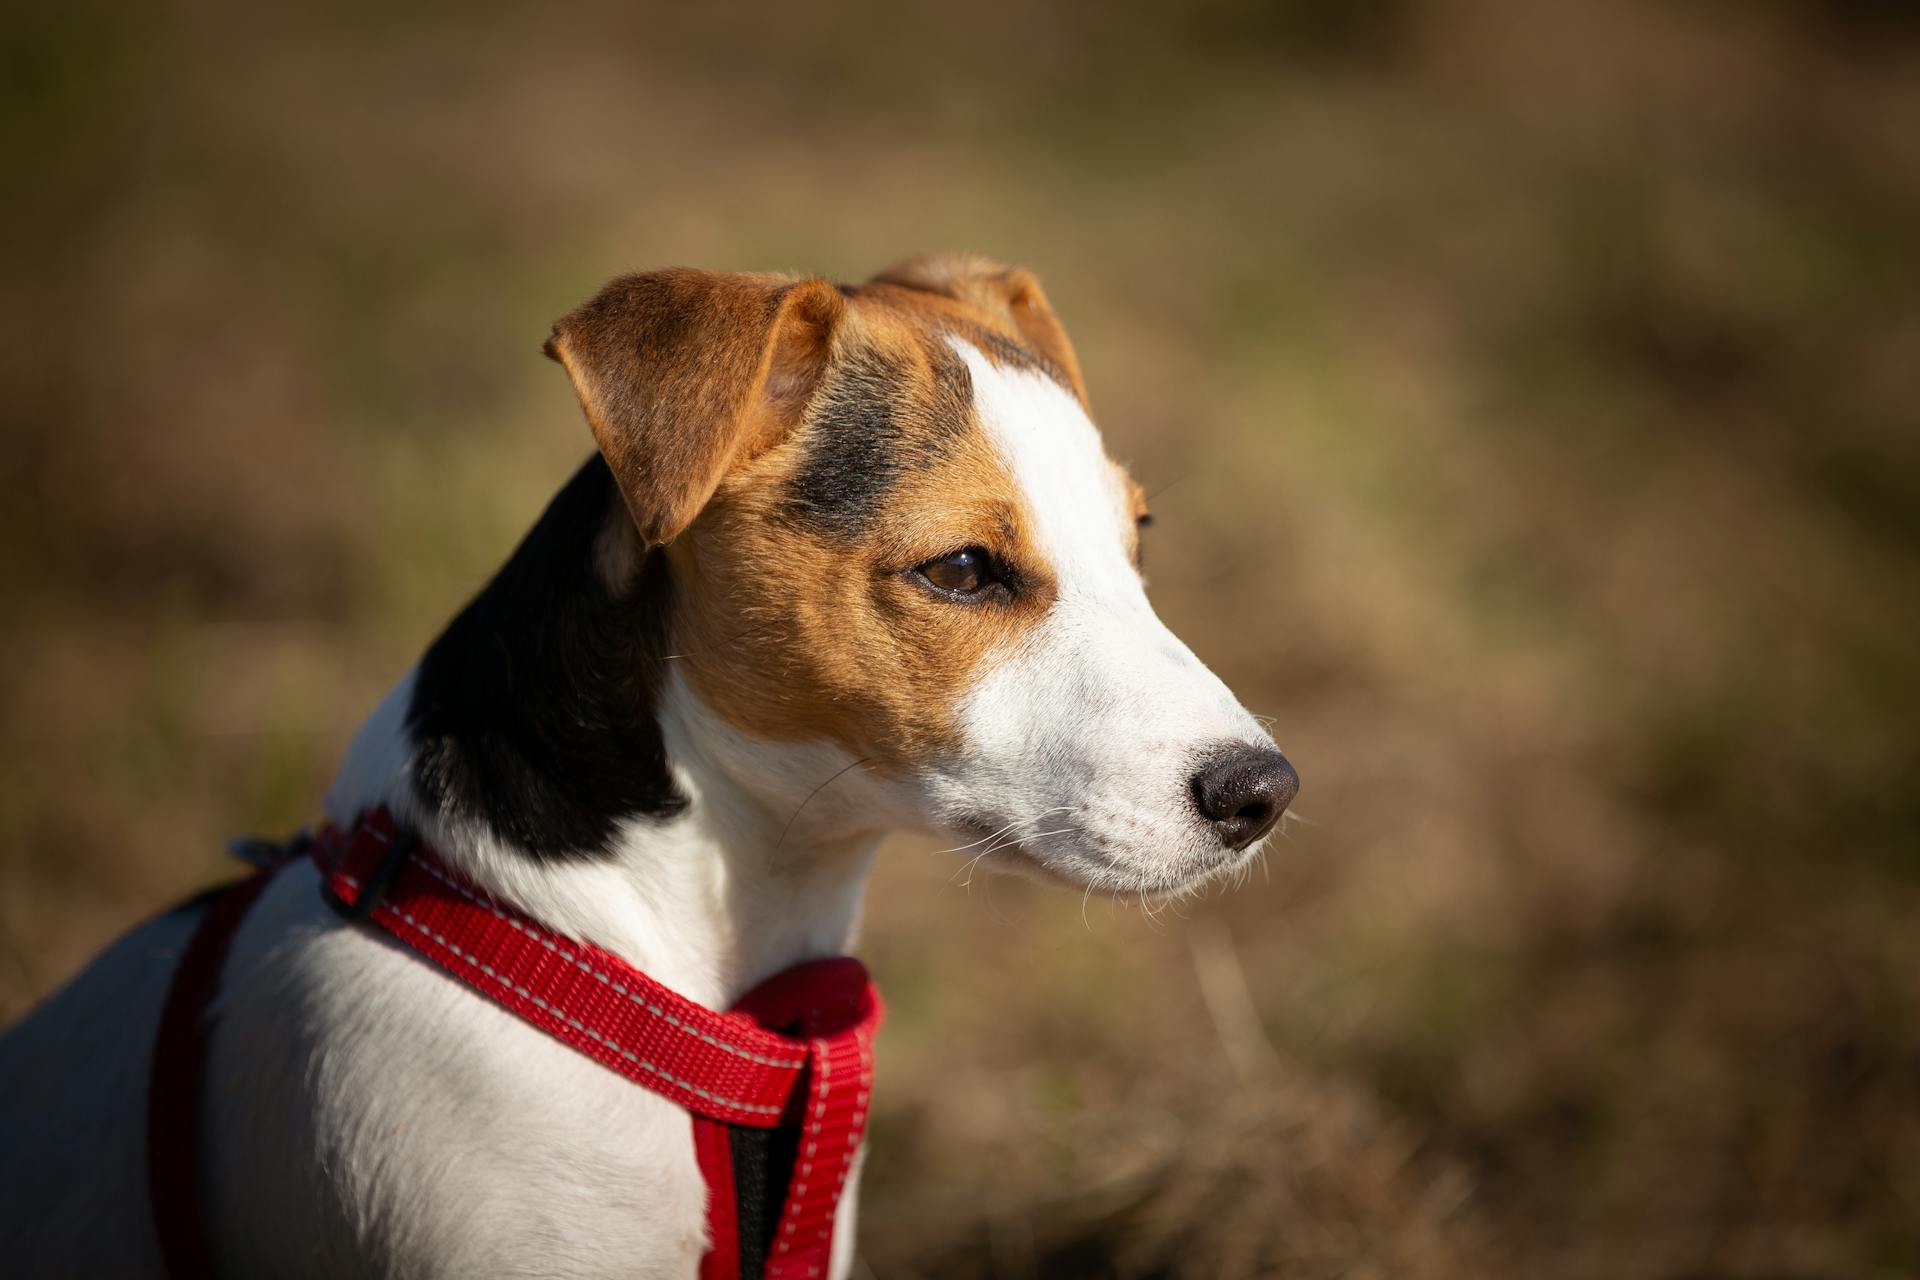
(1053, 849)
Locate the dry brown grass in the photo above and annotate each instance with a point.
(1531, 391)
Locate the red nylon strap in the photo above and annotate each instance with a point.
(713, 1149)
(797, 1049)
(835, 1114)
(173, 1088)
(835, 1118)
(832, 1119)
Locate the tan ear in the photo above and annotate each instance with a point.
(683, 373)
(1010, 293)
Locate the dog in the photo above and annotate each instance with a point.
(848, 560)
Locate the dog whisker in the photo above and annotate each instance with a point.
(1031, 835)
(809, 800)
(1169, 484)
(974, 861)
(1045, 813)
(968, 871)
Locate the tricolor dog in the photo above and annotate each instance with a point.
(848, 560)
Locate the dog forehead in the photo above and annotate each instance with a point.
(1078, 501)
(924, 385)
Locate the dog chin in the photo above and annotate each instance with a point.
(1089, 868)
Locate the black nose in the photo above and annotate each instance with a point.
(1242, 790)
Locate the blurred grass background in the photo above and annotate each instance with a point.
(1531, 393)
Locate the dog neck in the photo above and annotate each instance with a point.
(546, 748)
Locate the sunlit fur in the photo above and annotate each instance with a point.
(364, 1116)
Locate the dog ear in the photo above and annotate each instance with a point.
(684, 374)
(1008, 293)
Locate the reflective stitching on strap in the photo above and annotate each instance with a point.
(576, 1024)
(823, 1063)
(790, 1064)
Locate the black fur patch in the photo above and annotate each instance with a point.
(534, 712)
(1008, 352)
(875, 421)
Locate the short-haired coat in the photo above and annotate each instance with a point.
(848, 560)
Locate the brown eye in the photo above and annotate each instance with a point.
(967, 574)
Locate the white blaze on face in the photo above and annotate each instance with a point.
(1086, 730)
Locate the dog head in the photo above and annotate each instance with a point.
(895, 539)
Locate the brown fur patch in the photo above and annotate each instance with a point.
(793, 629)
(1000, 309)
(682, 374)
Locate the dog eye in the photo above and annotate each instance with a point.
(967, 573)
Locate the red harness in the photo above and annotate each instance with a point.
(781, 1080)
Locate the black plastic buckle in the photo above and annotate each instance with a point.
(399, 848)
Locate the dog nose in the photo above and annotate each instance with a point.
(1242, 791)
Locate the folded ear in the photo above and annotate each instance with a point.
(683, 374)
(1009, 293)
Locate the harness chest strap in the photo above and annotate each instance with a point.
(796, 1051)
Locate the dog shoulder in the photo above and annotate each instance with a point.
(368, 1107)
